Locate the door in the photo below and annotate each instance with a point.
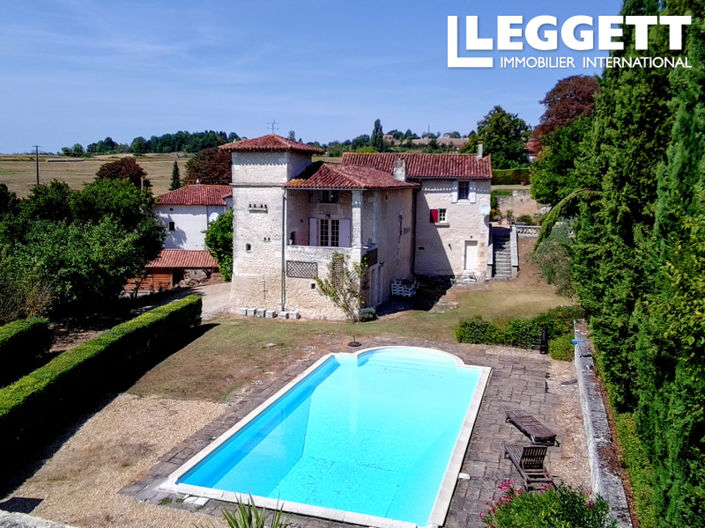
(471, 255)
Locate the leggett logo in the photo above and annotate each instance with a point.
(576, 33)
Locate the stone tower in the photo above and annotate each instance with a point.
(260, 169)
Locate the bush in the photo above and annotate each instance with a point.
(477, 330)
(561, 347)
(559, 320)
(21, 345)
(553, 257)
(36, 405)
(552, 507)
(368, 314)
(510, 176)
(219, 241)
(523, 333)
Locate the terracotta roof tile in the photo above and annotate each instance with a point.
(334, 176)
(197, 195)
(271, 143)
(183, 258)
(427, 166)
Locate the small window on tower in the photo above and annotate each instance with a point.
(329, 196)
(172, 227)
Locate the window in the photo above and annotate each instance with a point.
(329, 232)
(248, 247)
(329, 196)
(172, 227)
(438, 216)
(463, 190)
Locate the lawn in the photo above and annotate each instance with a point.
(236, 351)
(19, 172)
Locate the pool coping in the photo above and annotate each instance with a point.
(443, 498)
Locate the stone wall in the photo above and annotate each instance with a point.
(440, 248)
(520, 203)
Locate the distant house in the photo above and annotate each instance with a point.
(404, 214)
(185, 213)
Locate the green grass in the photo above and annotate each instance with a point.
(232, 354)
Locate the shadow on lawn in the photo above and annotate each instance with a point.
(26, 461)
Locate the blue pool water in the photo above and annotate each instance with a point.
(371, 434)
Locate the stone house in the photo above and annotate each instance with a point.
(405, 214)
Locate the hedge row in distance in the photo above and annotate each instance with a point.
(32, 408)
(510, 176)
(22, 343)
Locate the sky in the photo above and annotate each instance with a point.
(76, 71)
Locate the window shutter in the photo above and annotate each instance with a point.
(313, 232)
(434, 216)
(454, 194)
(472, 192)
(345, 232)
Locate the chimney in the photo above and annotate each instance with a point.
(399, 171)
(479, 150)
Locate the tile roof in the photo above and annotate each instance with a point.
(427, 166)
(270, 143)
(197, 195)
(333, 176)
(183, 258)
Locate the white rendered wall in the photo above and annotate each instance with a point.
(190, 224)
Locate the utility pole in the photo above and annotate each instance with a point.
(272, 125)
(36, 157)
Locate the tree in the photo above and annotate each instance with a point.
(504, 136)
(175, 177)
(211, 166)
(292, 135)
(553, 174)
(124, 169)
(360, 141)
(139, 145)
(343, 285)
(470, 146)
(569, 99)
(79, 247)
(377, 137)
(219, 241)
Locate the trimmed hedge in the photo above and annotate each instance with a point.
(510, 176)
(561, 347)
(49, 397)
(22, 343)
(522, 333)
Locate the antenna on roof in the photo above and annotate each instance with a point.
(273, 125)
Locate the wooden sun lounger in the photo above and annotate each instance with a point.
(529, 462)
(531, 427)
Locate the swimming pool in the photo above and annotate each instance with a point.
(374, 438)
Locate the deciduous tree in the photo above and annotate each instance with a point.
(504, 136)
(124, 169)
(211, 166)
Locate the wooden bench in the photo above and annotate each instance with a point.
(532, 428)
(529, 462)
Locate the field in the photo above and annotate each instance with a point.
(19, 172)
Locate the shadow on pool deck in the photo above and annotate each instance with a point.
(517, 381)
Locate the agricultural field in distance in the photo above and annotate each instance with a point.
(18, 172)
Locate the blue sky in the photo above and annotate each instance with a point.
(79, 70)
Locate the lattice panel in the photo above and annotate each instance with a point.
(299, 269)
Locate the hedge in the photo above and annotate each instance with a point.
(48, 398)
(510, 176)
(522, 333)
(22, 343)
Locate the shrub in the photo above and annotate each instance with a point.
(561, 347)
(559, 320)
(477, 330)
(49, 397)
(368, 314)
(510, 176)
(21, 344)
(219, 241)
(553, 257)
(553, 507)
(523, 333)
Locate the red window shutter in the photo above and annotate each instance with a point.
(434, 216)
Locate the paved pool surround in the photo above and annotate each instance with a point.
(518, 380)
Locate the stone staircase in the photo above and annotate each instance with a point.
(502, 253)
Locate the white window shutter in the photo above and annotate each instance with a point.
(313, 232)
(454, 195)
(472, 192)
(345, 232)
